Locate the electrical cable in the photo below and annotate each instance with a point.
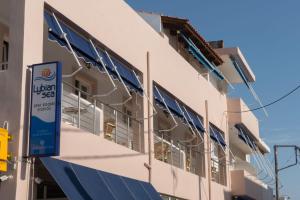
(269, 104)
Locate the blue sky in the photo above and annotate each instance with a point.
(268, 33)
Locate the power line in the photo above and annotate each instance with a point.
(269, 104)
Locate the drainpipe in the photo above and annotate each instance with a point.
(208, 152)
(149, 119)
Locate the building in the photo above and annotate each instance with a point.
(144, 96)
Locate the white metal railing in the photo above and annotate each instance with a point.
(94, 116)
(168, 152)
(218, 171)
(178, 155)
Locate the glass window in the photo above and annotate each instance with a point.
(127, 116)
(83, 87)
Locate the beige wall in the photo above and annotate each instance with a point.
(247, 118)
(245, 184)
(128, 35)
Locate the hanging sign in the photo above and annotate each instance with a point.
(45, 113)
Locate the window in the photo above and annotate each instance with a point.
(218, 163)
(49, 191)
(127, 116)
(83, 86)
(4, 60)
(214, 147)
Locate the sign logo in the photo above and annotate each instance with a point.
(46, 75)
(45, 109)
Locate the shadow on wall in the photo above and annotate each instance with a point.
(93, 157)
(227, 195)
(257, 190)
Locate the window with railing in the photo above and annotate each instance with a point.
(81, 110)
(177, 154)
(218, 163)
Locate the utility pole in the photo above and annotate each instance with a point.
(277, 169)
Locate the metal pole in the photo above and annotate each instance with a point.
(116, 128)
(79, 95)
(172, 152)
(128, 137)
(149, 120)
(276, 171)
(94, 122)
(209, 151)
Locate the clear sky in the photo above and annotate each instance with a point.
(268, 33)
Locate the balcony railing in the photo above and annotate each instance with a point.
(178, 155)
(94, 116)
(240, 164)
(218, 171)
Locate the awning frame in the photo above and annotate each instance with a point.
(64, 35)
(148, 99)
(188, 124)
(122, 81)
(171, 114)
(259, 160)
(199, 133)
(99, 60)
(211, 130)
(204, 61)
(252, 91)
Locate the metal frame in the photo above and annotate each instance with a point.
(252, 91)
(226, 80)
(257, 158)
(263, 160)
(64, 35)
(192, 130)
(171, 114)
(145, 94)
(100, 59)
(121, 80)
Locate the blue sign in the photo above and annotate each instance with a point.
(45, 113)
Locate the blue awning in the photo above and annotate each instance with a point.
(170, 101)
(83, 183)
(191, 116)
(192, 49)
(194, 118)
(216, 135)
(85, 51)
(127, 74)
(244, 136)
(240, 72)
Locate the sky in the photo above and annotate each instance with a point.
(268, 34)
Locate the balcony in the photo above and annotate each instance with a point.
(218, 171)
(245, 185)
(240, 164)
(248, 119)
(98, 118)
